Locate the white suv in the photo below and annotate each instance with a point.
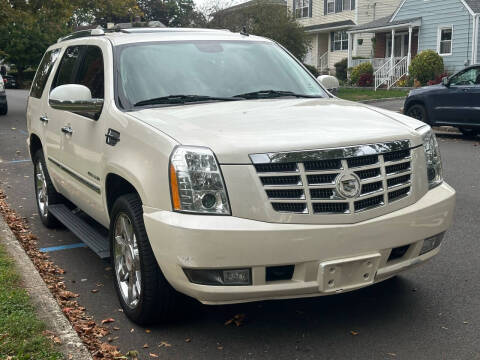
(224, 171)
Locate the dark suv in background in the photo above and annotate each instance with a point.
(454, 102)
(10, 82)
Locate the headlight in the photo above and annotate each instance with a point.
(196, 182)
(432, 155)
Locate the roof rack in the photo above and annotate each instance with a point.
(83, 33)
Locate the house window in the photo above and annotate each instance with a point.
(330, 6)
(445, 36)
(302, 8)
(346, 4)
(339, 41)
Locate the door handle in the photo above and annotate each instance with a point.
(44, 119)
(67, 130)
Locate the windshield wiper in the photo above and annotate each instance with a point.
(266, 94)
(181, 99)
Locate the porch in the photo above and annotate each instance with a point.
(396, 43)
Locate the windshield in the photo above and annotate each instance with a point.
(157, 73)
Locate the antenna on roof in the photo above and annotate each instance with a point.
(244, 31)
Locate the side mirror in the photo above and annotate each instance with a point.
(445, 82)
(75, 98)
(330, 83)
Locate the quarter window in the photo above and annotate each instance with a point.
(445, 36)
(43, 72)
(339, 41)
(302, 8)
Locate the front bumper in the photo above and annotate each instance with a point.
(182, 241)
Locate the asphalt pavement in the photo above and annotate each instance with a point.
(430, 312)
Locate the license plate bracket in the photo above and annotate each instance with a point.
(346, 274)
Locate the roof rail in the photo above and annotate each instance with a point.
(83, 33)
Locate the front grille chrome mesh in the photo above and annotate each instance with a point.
(310, 186)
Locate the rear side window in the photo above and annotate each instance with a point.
(43, 72)
(82, 65)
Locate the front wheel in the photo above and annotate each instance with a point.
(469, 133)
(418, 111)
(145, 295)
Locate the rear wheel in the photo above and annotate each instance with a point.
(45, 193)
(470, 133)
(145, 295)
(418, 111)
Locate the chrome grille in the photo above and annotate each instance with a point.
(307, 182)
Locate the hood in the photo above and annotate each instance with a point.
(233, 130)
(426, 89)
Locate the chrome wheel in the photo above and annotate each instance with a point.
(41, 187)
(127, 261)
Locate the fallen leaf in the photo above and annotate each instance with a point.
(354, 333)
(237, 320)
(148, 331)
(116, 328)
(132, 330)
(164, 344)
(392, 354)
(153, 355)
(94, 291)
(145, 346)
(107, 321)
(220, 347)
(187, 340)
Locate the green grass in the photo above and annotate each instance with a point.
(369, 94)
(20, 331)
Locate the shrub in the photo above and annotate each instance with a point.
(341, 69)
(365, 80)
(359, 70)
(426, 66)
(312, 69)
(437, 80)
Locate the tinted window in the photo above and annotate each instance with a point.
(91, 73)
(468, 77)
(82, 65)
(67, 70)
(43, 72)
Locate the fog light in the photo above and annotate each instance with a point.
(219, 277)
(431, 243)
(209, 201)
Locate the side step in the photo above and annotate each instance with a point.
(87, 233)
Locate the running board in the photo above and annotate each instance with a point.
(79, 227)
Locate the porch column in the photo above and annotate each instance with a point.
(409, 58)
(350, 37)
(393, 45)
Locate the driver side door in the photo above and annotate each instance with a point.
(456, 105)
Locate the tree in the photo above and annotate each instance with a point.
(173, 13)
(101, 12)
(29, 30)
(264, 18)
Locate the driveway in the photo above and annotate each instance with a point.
(430, 312)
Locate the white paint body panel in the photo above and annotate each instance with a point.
(254, 236)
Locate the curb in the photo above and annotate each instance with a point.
(47, 308)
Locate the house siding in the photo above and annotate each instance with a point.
(321, 40)
(368, 11)
(437, 13)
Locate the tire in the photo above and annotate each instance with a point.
(418, 111)
(152, 298)
(4, 110)
(45, 193)
(469, 133)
